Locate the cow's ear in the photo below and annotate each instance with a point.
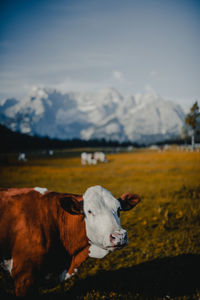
(128, 201)
(73, 204)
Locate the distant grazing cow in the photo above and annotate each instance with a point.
(100, 156)
(88, 158)
(44, 232)
(83, 158)
(22, 157)
(51, 152)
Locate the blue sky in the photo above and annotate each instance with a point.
(87, 45)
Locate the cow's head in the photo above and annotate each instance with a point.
(102, 216)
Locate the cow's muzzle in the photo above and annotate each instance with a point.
(118, 239)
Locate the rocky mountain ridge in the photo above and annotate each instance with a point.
(142, 118)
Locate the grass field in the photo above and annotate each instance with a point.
(162, 260)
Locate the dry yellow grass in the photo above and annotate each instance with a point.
(144, 172)
(163, 229)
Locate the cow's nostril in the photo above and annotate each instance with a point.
(112, 238)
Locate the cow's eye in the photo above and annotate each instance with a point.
(89, 211)
(118, 212)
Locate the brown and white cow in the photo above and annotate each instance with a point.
(44, 232)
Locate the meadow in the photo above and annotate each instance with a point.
(162, 260)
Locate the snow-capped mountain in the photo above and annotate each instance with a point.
(142, 118)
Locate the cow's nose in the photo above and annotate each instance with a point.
(119, 238)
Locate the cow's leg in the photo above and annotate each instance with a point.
(77, 260)
(24, 276)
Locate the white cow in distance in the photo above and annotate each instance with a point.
(51, 152)
(92, 158)
(83, 158)
(100, 156)
(22, 157)
(88, 158)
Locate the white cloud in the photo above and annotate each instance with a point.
(117, 75)
(68, 84)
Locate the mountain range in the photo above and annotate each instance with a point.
(143, 118)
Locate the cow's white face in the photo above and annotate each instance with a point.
(102, 218)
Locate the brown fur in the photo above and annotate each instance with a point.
(39, 236)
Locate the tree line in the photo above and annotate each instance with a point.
(14, 141)
(191, 127)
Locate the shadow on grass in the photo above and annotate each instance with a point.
(172, 276)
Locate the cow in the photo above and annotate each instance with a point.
(100, 156)
(84, 158)
(44, 232)
(88, 158)
(51, 152)
(22, 157)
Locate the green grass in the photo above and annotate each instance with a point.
(164, 229)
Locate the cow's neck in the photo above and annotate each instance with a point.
(72, 232)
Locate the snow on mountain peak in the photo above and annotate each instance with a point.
(147, 97)
(39, 92)
(110, 114)
(111, 94)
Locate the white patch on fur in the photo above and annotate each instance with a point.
(7, 265)
(64, 275)
(68, 276)
(40, 190)
(97, 252)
